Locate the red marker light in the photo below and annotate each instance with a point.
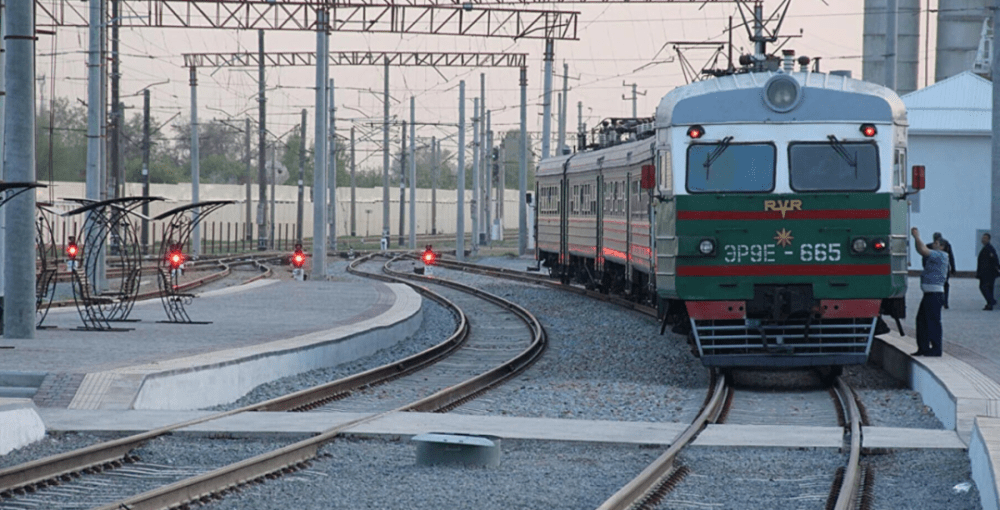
(298, 259)
(176, 258)
(868, 130)
(879, 245)
(429, 256)
(696, 132)
(72, 250)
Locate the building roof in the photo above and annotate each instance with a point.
(961, 104)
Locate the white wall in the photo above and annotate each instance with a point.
(956, 201)
(370, 224)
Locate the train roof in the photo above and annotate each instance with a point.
(738, 98)
(623, 154)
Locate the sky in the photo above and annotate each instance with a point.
(619, 44)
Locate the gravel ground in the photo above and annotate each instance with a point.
(378, 474)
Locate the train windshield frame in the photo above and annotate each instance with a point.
(833, 166)
(724, 167)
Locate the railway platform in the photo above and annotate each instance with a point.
(251, 334)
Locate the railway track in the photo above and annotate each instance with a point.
(36, 476)
(648, 488)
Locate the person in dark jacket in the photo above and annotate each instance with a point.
(946, 247)
(987, 270)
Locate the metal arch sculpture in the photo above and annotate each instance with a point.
(48, 263)
(175, 236)
(108, 219)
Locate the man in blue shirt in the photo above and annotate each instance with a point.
(932, 279)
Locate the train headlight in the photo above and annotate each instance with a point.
(859, 245)
(706, 246)
(782, 93)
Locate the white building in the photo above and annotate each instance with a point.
(950, 134)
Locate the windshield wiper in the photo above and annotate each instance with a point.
(839, 148)
(714, 155)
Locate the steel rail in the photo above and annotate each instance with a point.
(520, 276)
(42, 472)
(851, 484)
(289, 458)
(650, 478)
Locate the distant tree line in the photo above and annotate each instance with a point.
(61, 153)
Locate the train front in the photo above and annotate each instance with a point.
(781, 217)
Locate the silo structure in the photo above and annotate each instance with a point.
(907, 43)
(960, 24)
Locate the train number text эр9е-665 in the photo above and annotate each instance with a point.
(764, 253)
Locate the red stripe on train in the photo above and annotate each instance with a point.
(825, 214)
(787, 270)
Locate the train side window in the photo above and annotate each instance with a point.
(899, 171)
(666, 173)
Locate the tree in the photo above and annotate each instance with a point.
(67, 137)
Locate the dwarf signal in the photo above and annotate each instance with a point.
(429, 257)
(72, 250)
(298, 260)
(175, 258)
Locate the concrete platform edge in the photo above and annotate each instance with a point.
(224, 376)
(21, 424)
(955, 401)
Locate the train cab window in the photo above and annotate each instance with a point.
(722, 166)
(833, 166)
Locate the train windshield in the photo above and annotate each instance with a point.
(722, 167)
(833, 166)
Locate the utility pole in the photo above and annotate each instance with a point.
(261, 149)
(563, 109)
(302, 177)
(891, 15)
(434, 184)
(474, 210)
(248, 228)
(634, 97)
(522, 173)
(195, 166)
(354, 229)
(995, 195)
(402, 188)
(547, 99)
(385, 159)
(319, 271)
(460, 189)
(145, 170)
(413, 174)
(332, 163)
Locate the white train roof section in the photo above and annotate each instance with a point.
(738, 98)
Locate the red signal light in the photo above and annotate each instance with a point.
(869, 130)
(429, 256)
(72, 251)
(176, 259)
(696, 132)
(298, 259)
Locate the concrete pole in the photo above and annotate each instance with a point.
(560, 134)
(300, 209)
(995, 194)
(319, 160)
(261, 147)
(145, 170)
(195, 166)
(3, 102)
(635, 99)
(248, 235)
(94, 114)
(547, 99)
(474, 210)
(484, 226)
(274, 184)
(891, 15)
(402, 186)
(19, 140)
(434, 184)
(581, 128)
(564, 109)
(488, 173)
(332, 161)
(385, 158)
(354, 184)
(413, 174)
(522, 172)
(460, 189)
(117, 109)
